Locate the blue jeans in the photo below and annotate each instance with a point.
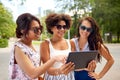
(82, 75)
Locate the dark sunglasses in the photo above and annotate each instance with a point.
(60, 27)
(85, 28)
(36, 29)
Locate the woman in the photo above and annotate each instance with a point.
(89, 39)
(24, 61)
(57, 25)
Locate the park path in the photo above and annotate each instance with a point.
(113, 73)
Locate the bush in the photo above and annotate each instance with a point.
(3, 43)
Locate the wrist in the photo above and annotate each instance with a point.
(99, 77)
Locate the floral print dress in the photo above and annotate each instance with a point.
(15, 72)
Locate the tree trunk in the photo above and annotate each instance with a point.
(118, 36)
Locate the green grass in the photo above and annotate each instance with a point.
(36, 42)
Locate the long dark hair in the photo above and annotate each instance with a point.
(94, 38)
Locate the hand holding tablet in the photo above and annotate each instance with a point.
(81, 59)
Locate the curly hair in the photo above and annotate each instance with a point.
(94, 39)
(53, 19)
(24, 23)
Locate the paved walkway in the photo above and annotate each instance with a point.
(113, 73)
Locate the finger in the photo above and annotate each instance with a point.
(64, 58)
(92, 75)
(67, 65)
(89, 66)
(69, 68)
(92, 66)
(63, 67)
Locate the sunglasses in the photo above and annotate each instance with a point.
(36, 29)
(85, 28)
(60, 27)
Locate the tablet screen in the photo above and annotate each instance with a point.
(81, 59)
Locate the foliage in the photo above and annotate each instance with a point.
(107, 13)
(7, 26)
(79, 8)
(45, 34)
(48, 11)
(21, 2)
(3, 43)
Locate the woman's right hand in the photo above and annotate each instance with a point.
(66, 68)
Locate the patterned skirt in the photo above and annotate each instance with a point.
(69, 76)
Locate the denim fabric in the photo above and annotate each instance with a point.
(82, 75)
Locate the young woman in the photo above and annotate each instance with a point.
(57, 25)
(89, 39)
(25, 60)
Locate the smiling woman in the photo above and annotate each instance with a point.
(25, 60)
(89, 39)
(57, 25)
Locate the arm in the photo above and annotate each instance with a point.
(105, 53)
(45, 56)
(73, 48)
(25, 64)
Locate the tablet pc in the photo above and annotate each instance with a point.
(81, 59)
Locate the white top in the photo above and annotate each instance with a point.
(55, 52)
(15, 72)
(86, 47)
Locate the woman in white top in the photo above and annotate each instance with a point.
(57, 25)
(89, 39)
(25, 60)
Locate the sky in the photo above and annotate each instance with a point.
(32, 6)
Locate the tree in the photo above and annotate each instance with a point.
(7, 26)
(79, 8)
(107, 13)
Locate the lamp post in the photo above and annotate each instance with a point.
(68, 34)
